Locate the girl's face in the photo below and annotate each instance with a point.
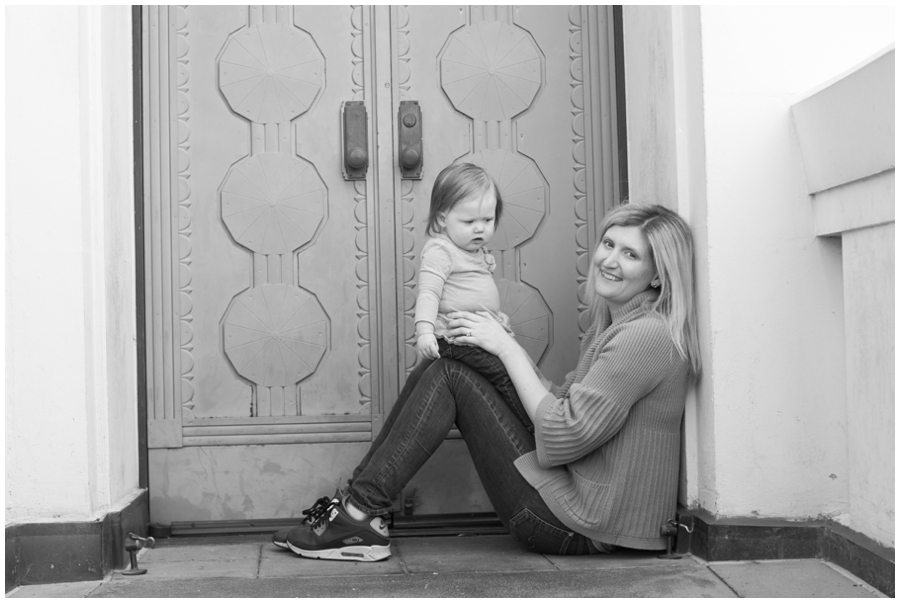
(624, 265)
(470, 223)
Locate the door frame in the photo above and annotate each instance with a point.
(619, 164)
(137, 73)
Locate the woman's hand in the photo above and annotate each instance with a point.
(480, 329)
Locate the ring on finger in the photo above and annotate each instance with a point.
(469, 333)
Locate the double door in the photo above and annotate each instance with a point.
(281, 237)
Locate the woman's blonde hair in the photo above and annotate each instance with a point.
(672, 248)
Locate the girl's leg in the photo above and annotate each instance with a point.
(491, 368)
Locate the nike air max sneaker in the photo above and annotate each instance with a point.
(336, 535)
(312, 514)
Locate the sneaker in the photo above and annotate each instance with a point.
(339, 536)
(314, 513)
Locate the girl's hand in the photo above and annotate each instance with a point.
(479, 329)
(427, 347)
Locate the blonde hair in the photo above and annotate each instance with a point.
(672, 249)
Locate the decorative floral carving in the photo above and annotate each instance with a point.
(407, 198)
(356, 49)
(275, 335)
(362, 295)
(409, 273)
(271, 73)
(578, 155)
(180, 17)
(524, 194)
(491, 71)
(363, 326)
(273, 203)
(403, 71)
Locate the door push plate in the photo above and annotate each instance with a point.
(410, 125)
(354, 127)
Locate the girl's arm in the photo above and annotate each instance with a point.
(427, 300)
(436, 267)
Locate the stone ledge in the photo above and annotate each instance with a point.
(846, 126)
(860, 204)
(748, 538)
(46, 553)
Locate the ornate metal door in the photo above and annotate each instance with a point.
(282, 293)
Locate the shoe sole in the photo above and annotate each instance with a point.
(282, 545)
(375, 552)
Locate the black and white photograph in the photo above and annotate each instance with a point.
(450, 301)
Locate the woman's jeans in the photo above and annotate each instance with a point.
(436, 395)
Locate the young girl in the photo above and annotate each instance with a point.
(455, 272)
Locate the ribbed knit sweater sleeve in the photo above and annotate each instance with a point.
(620, 369)
(435, 269)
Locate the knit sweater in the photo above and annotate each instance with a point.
(609, 440)
(453, 279)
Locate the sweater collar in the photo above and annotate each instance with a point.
(634, 305)
(443, 236)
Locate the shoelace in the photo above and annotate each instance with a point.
(318, 511)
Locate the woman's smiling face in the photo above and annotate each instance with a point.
(624, 265)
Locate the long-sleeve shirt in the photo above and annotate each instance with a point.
(453, 279)
(609, 440)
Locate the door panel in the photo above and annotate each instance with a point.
(497, 87)
(282, 295)
(274, 292)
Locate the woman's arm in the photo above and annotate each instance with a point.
(625, 369)
(592, 411)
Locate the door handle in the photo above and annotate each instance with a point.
(354, 125)
(410, 126)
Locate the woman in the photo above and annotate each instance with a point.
(600, 469)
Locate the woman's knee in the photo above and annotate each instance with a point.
(465, 382)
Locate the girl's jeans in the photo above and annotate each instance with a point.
(491, 368)
(436, 395)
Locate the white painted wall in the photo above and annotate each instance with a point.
(71, 402)
(709, 95)
(776, 290)
(846, 132)
(868, 257)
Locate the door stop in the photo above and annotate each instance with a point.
(139, 543)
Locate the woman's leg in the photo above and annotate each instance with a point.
(496, 437)
(418, 424)
(411, 380)
(449, 392)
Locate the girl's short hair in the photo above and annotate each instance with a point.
(455, 183)
(672, 248)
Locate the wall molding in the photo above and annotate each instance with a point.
(73, 551)
(846, 126)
